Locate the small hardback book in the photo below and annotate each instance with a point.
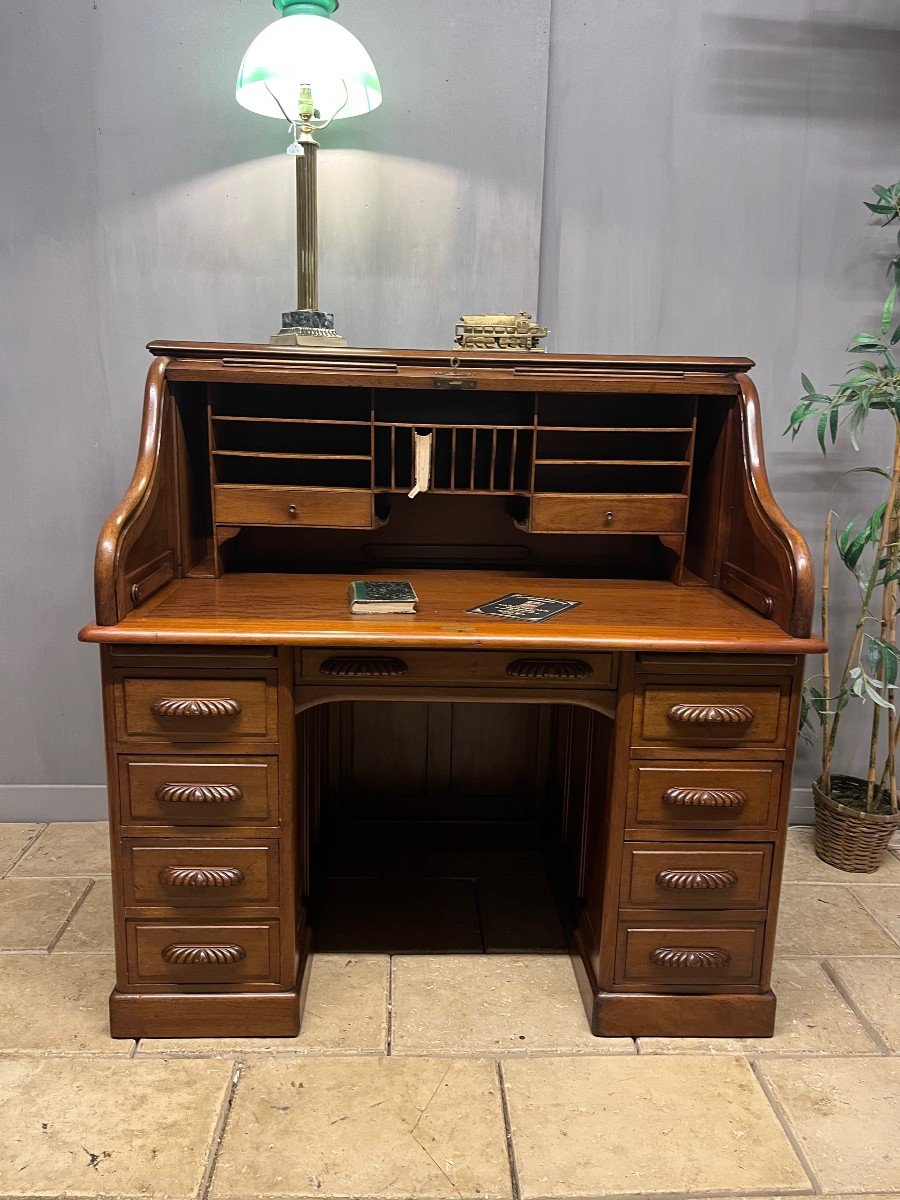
(373, 596)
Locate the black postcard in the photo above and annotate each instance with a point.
(516, 607)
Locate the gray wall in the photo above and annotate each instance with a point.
(679, 177)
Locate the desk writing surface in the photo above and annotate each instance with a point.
(313, 609)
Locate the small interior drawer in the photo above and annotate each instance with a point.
(196, 709)
(678, 956)
(500, 668)
(198, 791)
(260, 504)
(657, 875)
(710, 714)
(608, 513)
(726, 796)
(194, 875)
(167, 952)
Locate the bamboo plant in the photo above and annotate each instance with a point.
(869, 547)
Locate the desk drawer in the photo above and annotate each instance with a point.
(657, 875)
(194, 875)
(607, 513)
(499, 668)
(337, 508)
(676, 956)
(711, 715)
(193, 709)
(198, 791)
(166, 952)
(675, 796)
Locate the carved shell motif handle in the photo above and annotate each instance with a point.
(199, 793)
(195, 707)
(363, 668)
(696, 880)
(203, 956)
(711, 714)
(541, 668)
(678, 958)
(201, 877)
(700, 797)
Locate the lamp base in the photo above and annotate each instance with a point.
(307, 327)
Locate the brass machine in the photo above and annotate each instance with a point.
(498, 331)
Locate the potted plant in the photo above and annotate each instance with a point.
(856, 817)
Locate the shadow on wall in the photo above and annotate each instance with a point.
(814, 68)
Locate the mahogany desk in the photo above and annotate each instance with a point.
(662, 712)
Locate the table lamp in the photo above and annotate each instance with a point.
(309, 71)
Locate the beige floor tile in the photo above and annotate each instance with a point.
(874, 985)
(884, 905)
(345, 1013)
(397, 916)
(33, 911)
(491, 1004)
(91, 930)
(57, 1005)
(14, 837)
(111, 1127)
(843, 1112)
(821, 919)
(802, 866)
(385, 1127)
(67, 848)
(634, 1126)
(811, 1018)
(518, 916)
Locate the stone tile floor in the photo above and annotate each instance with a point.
(444, 1056)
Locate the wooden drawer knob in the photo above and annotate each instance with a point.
(203, 708)
(363, 668)
(711, 714)
(201, 877)
(678, 958)
(199, 793)
(696, 880)
(700, 797)
(203, 956)
(527, 668)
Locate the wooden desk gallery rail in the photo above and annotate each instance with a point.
(647, 734)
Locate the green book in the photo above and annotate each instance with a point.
(375, 596)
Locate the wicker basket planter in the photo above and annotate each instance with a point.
(847, 837)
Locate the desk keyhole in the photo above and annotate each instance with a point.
(292, 509)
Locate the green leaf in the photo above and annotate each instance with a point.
(888, 310)
(807, 386)
(895, 337)
(834, 425)
(821, 430)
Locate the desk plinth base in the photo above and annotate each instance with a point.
(630, 1014)
(223, 1014)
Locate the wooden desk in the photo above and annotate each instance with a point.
(660, 755)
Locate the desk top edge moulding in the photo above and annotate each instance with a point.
(664, 705)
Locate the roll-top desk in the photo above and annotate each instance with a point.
(664, 706)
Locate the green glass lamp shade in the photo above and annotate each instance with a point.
(306, 47)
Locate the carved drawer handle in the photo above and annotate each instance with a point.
(711, 714)
(201, 877)
(700, 797)
(527, 668)
(363, 668)
(696, 880)
(203, 956)
(199, 793)
(679, 959)
(173, 707)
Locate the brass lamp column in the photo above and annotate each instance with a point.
(310, 71)
(306, 325)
